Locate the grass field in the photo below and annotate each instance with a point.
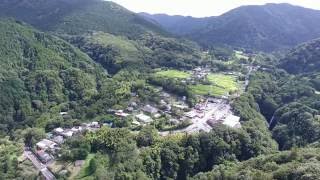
(173, 74)
(210, 90)
(221, 85)
(227, 82)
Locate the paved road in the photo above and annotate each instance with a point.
(215, 110)
(39, 165)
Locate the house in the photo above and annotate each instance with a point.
(77, 129)
(44, 157)
(121, 113)
(157, 115)
(149, 109)
(58, 139)
(144, 118)
(45, 144)
(63, 113)
(94, 124)
(58, 130)
(67, 133)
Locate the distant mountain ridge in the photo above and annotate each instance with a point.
(78, 16)
(179, 25)
(267, 27)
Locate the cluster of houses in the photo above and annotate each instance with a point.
(47, 148)
(146, 113)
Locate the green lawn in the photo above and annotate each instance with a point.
(84, 172)
(174, 74)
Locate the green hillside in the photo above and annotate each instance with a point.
(303, 59)
(40, 75)
(77, 16)
(259, 27)
(149, 51)
(294, 164)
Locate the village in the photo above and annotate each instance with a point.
(174, 110)
(204, 116)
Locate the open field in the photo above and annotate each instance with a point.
(220, 85)
(228, 82)
(211, 90)
(173, 74)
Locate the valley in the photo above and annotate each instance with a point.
(90, 90)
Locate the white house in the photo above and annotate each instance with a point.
(144, 118)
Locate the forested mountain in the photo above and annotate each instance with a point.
(110, 34)
(179, 25)
(77, 16)
(267, 28)
(303, 59)
(40, 75)
(295, 164)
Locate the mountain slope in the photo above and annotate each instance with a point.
(38, 74)
(179, 25)
(77, 16)
(303, 59)
(267, 28)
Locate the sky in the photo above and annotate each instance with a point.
(202, 8)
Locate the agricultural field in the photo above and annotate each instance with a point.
(227, 82)
(210, 90)
(173, 74)
(220, 85)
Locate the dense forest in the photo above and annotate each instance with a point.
(268, 27)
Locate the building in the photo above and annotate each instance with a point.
(63, 113)
(157, 115)
(143, 118)
(58, 130)
(45, 144)
(44, 157)
(232, 121)
(77, 129)
(94, 124)
(67, 133)
(149, 109)
(121, 113)
(58, 139)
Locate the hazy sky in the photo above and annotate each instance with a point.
(201, 8)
